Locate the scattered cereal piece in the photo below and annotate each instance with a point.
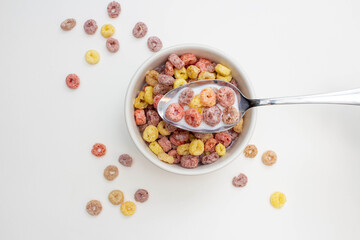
(112, 45)
(141, 195)
(154, 44)
(125, 160)
(212, 115)
(189, 161)
(166, 158)
(98, 149)
(230, 115)
(220, 149)
(196, 147)
(94, 207)
(72, 81)
(269, 158)
(111, 172)
(128, 208)
(150, 133)
(140, 30)
(239, 126)
(176, 61)
(225, 96)
(113, 9)
(250, 151)
(240, 180)
(68, 24)
(92, 56)
(221, 69)
(156, 148)
(90, 26)
(277, 200)
(107, 30)
(174, 112)
(116, 197)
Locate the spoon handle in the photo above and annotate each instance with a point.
(350, 97)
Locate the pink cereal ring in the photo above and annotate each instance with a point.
(154, 44)
(211, 158)
(226, 96)
(174, 112)
(152, 117)
(166, 79)
(169, 68)
(176, 61)
(165, 144)
(140, 118)
(186, 96)
(188, 58)
(212, 115)
(175, 155)
(140, 30)
(114, 9)
(223, 138)
(230, 115)
(157, 99)
(90, 26)
(202, 64)
(72, 81)
(189, 161)
(193, 117)
(207, 97)
(240, 180)
(112, 45)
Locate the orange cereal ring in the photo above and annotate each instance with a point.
(207, 97)
(250, 151)
(94, 207)
(269, 158)
(98, 149)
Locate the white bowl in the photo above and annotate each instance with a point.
(159, 58)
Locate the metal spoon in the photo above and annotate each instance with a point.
(350, 97)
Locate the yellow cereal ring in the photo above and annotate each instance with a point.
(179, 82)
(181, 73)
(162, 130)
(128, 208)
(150, 133)
(155, 148)
(224, 78)
(151, 78)
(107, 30)
(166, 158)
(183, 149)
(238, 127)
(196, 147)
(148, 96)
(139, 102)
(206, 75)
(195, 102)
(277, 200)
(224, 71)
(92, 56)
(193, 71)
(220, 149)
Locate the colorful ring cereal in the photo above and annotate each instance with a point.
(162, 130)
(277, 200)
(169, 68)
(207, 97)
(170, 128)
(269, 158)
(179, 82)
(156, 148)
(141, 195)
(176, 61)
(99, 149)
(166, 158)
(239, 126)
(211, 158)
(192, 71)
(212, 115)
(206, 75)
(128, 208)
(183, 149)
(154, 44)
(114, 9)
(139, 102)
(223, 78)
(250, 151)
(180, 73)
(173, 153)
(223, 138)
(166, 79)
(68, 24)
(179, 137)
(140, 29)
(221, 69)
(140, 118)
(195, 102)
(203, 136)
(188, 58)
(161, 89)
(94, 207)
(186, 96)
(148, 95)
(189, 161)
(165, 144)
(151, 78)
(90, 26)
(225, 96)
(240, 180)
(116, 197)
(210, 145)
(157, 99)
(202, 64)
(174, 112)
(220, 149)
(230, 115)
(196, 147)
(72, 81)
(125, 160)
(150, 133)
(112, 45)
(152, 117)
(92, 56)
(193, 117)
(111, 172)
(107, 30)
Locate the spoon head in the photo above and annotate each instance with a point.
(241, 103)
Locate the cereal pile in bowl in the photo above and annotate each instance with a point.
(177, 146)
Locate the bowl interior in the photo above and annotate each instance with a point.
(137, 84)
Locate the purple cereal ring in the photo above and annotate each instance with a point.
(186, 96)
(230, 115)
(170, 128)
(176, 61)
(114, 9)
(68, 24)
(225, 96)
(154, 44)
(240, 180)
(125, 160)
(152, 117)
(174, 112)
(166, 79)
(212, 115)
(141, 195)
(189, 161)
(161, 89)
(211, 158)
(90, 26)
(112, 45)
(140, 30)
(175, 155)
(211, 67)
(165, 144)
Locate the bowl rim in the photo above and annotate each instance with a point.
(129, 103)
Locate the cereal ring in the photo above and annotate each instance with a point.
(204, 136)
(212, 115)
(186, 96)
(239, 126)
(157, 99)
(240, 180)
(151, 78)
(179, 137)
(125, 160)
(98, 149)
(206, 75)
(162, 130)
(223, 138)
(113, 9)
(116, 197)
(170, 128)
(174, 112)
(225, 96)
(154, 44)
(139, 102)
(196, 147)
(211, 158)
(230, 115)
(221, 69)
(111, 172)
(195, 102)
(202, 64)
(189, 161)
(210, 67)
(155, 148)
(92, 56)
(169, 68)
(193, 117)
(210, 145)
(165, 144)
(150, 133)
(188, 58)
(140, 118)
(140, 30)
(176, 61)
(148, 96)
(223, 78)
(94, 207)
(277, 200)
(141, 195)
(250, 151)
(179, 82)
(152, 117)
(269, 158)
(207, 97)
(166, 79)
(107, 30)
(68, 24)
(220, 149)
(112, 45)
(72, 81)
(192, 71)
(161, 89)
(183, 149)
(180, 73)
(90, 26)
(173, 153)
(166, 158)
(128, 208)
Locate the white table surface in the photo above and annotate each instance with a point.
(47, 173)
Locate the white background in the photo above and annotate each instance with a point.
(47, 173)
